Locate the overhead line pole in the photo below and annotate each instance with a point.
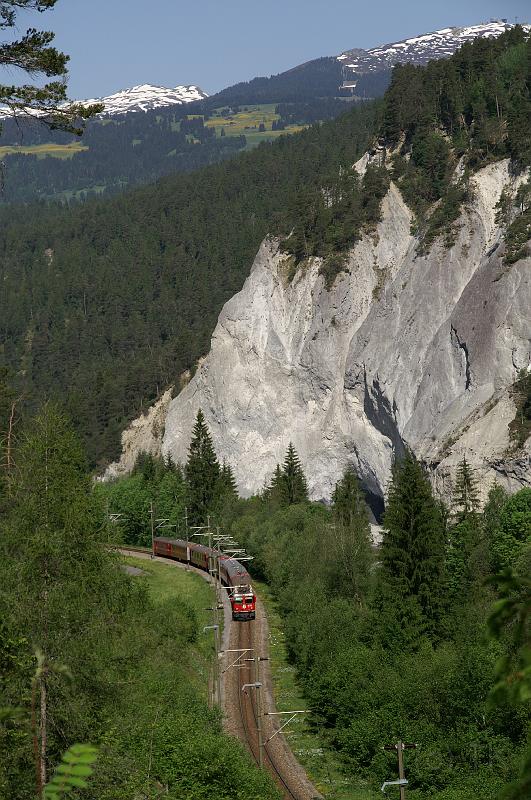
(400, 747)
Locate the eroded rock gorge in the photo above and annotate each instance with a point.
(403, 350)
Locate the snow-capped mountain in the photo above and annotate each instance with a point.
(418, 50)
(147, 97)
(139, 98)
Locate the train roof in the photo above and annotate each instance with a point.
(232, 566)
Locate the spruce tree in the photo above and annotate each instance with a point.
(228, 488)
(466, 493)
(202, 472)
(348, 502)
(59, 584)
(465, 563)
(274, 492)
(289, 485)
(350, 540)
(296, 488)
(412, 552)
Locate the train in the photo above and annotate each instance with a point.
(232, 574)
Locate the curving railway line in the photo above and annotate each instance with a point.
(249, 717)
(240, 710)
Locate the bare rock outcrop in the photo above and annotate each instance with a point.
(144, 435)
(403, 350)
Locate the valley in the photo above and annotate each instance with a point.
(277, 336)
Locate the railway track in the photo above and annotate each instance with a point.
(249, 717)
(240, 710)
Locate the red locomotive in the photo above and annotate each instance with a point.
(243, 602)
(231, 572)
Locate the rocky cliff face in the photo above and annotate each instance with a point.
(402, 350)
(144, 435)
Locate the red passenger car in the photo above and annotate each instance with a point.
(231, 572)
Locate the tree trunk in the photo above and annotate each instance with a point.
(43, 734)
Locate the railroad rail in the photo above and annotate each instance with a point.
(249, 718)
(241, 708)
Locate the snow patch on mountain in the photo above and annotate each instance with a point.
(419, 49)
(138, 98)
(146, 98)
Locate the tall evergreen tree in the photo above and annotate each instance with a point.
(296, 487)
(348, 502)
(274, 491)
(350, 538)
(466, 492)
(228, 487)
(412, 552)
(289, 485)
(466, 561)
(56, 581)
(202, 472)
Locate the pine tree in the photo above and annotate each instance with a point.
(228, 487)
(350, 538)
(466, 493)
(202, 472)
(412, 552)
(348, 502)
(53, 563)
(289, 485)
(33, 54)
(296, 487)
(465, 562)
(274, 493)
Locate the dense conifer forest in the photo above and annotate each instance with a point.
(118, 153)
(106, 304)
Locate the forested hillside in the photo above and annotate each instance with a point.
(105, 305)
(119, 152)
(467, 110)
(89, 653)
(114, 154)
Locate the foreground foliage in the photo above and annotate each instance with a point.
(117, 666)
(400, 648)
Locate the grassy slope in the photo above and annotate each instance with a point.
(161, 739)
(247, 123)
(244, 123)
(43, 150)
(167, 582)
(309, 745)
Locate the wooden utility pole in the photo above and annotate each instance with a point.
(187, 538)
(401, 773)
(400, 747)
(152, 515)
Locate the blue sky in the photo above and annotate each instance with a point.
(215, 43)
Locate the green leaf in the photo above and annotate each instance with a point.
(71, 773)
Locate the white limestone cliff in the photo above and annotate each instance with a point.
(144, 435)
(403, 349)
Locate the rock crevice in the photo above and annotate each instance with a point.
(403, 350)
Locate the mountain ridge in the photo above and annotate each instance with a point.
(147, 97)
(422, 48)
